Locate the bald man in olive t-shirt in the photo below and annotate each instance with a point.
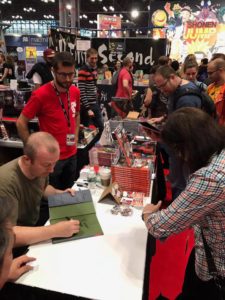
(24, 181)
(25, 194)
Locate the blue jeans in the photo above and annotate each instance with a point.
(64, 173)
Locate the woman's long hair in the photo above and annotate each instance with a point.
(194, 136)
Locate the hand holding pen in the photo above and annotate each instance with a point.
(66, 228)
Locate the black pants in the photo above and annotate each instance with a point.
(64, 173)
(97, 121)
(194, 288)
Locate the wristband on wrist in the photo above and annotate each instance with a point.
(143, 215)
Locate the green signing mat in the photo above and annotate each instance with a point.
(63, 207)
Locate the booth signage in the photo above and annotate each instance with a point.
(143, 52)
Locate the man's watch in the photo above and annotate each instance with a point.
(143, 215)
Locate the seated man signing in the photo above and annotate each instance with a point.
(24, 181)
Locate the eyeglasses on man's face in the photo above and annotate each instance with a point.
(161, 86)
(64, 75)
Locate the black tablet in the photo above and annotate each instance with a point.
(153, 127)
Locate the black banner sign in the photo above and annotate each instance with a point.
(64, 41)
(144, 52)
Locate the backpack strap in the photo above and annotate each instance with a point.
(185, 92)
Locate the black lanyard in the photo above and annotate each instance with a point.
(66, 114)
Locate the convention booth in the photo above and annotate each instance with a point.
(110, 258)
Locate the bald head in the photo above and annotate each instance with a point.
(40, 141)
(218, 63)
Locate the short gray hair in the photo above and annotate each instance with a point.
(37, 141)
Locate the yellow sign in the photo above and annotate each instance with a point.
(31, 53)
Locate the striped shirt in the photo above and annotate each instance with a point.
(87, 79)
(201, 205)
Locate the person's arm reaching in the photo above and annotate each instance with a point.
(22, 127)
(31, 235)
(148, 97)
(201, 196)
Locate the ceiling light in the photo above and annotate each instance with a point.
(29, 9)
(121, 16)
(5, 2)
(105, 9)
(68, 6)
(149, 7)
(134, 13)
(111, 8)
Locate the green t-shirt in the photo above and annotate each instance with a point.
(25, 194)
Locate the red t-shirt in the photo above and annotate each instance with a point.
(124, 75)
(45, 105)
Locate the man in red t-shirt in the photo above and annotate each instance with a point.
(57, 107)
(125, 85)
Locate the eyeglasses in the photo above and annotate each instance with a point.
(64, 75)
(210, 73)
(163, 85)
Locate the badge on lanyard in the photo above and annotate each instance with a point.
(70, 139)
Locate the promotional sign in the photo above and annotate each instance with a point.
(31, 57)
(106, 24)
(31, 54)
(143, 52)
(193, 27)
(64, 41)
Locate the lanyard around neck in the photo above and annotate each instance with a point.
(66, 113)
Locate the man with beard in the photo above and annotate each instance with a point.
(41, 72)
(57, 107)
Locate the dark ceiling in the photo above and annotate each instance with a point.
(87, 7)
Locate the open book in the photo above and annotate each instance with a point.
(80, 207)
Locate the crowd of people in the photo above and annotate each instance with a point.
(193, 139)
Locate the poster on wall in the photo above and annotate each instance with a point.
(193, 27)
(64, 41)
(143, 52)
(31, 57)
(31, 54)
(108, 26)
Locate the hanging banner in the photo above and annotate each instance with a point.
(64, 41)
(143, 52)
(193, 27)
(106, 25)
